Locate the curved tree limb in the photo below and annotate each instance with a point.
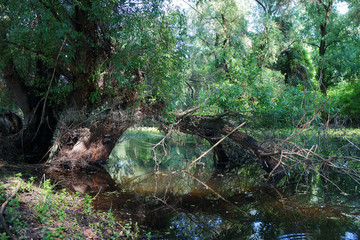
(202, 155)
(213, 128)
(262, 5)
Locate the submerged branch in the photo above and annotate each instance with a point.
(212, 190)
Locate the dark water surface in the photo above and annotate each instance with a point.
(144, 185)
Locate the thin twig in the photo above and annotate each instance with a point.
(352, 143)
(212, 190)
(327, 179)
(97, 193)
(202, 155)
(48, 90)
(277, 165)
(305, 125)
(3, 206)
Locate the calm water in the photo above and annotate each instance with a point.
(144, 185)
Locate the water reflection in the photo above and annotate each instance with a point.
(206, 204)
(139, 153)
(84, 182)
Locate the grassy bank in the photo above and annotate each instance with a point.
(38, 212)
(329, 141)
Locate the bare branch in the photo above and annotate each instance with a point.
(330, 43)
(185, 113)
(313, 44)
(323, 4)
(27, 48)
(262, 5)
(2, 210)
(202, 155)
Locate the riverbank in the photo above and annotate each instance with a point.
(317, 195)
(37, 211)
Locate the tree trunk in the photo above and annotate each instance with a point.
(39, 121)
(214, 128)
(85, 147)
(17, 88)
(322, 47)
(89, 145)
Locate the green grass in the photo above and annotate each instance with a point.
(331, 141)
(40, 212)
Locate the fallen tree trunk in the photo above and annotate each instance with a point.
(213, 128)
(83, 146)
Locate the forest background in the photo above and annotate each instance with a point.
(80, 73)
(276, 60)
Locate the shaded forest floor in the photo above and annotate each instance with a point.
(39, 212)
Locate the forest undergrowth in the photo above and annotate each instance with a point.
(34, 209)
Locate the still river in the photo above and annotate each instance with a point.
(144, 184)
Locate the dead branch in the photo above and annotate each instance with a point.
(212, 190)
(277, 165)
(48, 90)
(2, 210)
(352, 144)
(202, 155)
(185, 113)
(305, 125)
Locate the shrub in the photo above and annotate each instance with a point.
(346, 97)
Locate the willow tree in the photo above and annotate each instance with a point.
(270, 38)
(64, 60)
(219, 55)
(82, 72)
(325, 30)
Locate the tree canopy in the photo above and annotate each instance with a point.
(274, 61)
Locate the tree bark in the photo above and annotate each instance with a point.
(10, 123)
(88, 145)
(213, 128)
(85, 147)
(322, 47)
(17, 88)
(39, 120)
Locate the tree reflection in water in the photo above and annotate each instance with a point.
(224, 205)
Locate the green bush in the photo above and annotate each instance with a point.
(346, 97)
(288, 106)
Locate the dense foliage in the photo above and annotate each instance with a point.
(273, 59)
(280, 69)
(86, 50)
